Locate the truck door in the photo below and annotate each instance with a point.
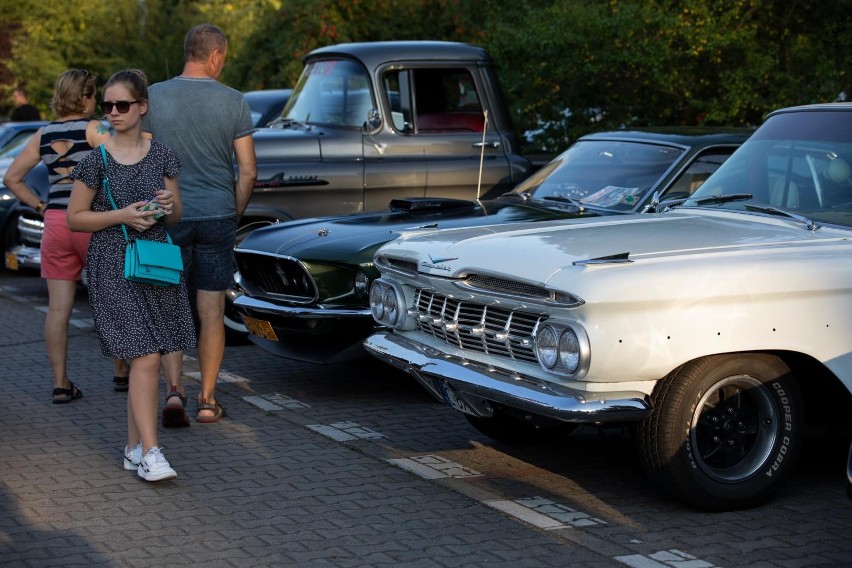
(394, 159)
(431, 137)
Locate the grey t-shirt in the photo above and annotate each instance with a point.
(200, 119)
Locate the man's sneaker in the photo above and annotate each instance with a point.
(132, 458)
(154, 466)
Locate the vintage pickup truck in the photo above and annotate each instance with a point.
(719, 328)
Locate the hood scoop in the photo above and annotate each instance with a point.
(429, 204)
(620, 258)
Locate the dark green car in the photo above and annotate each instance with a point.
(303, 285)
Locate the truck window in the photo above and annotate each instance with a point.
(430, 101)
(333, 92)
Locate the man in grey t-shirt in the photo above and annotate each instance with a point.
(206, 124)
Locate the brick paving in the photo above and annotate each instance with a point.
(253, 490)
(351, 465)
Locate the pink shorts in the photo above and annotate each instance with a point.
(63, 253)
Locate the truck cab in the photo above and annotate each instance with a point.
(370, 122)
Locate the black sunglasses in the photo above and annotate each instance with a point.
(122, 106)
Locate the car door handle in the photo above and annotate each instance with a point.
(494, 144)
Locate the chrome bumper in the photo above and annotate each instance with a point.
(470, 386)
(300, 312)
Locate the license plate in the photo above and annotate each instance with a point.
(260, 328)
(11, 261)
(453, 399)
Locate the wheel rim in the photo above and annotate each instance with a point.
(734, 428)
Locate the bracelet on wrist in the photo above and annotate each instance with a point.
(40, 206)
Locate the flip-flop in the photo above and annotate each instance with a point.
(174, 415)
(219, 412)
(71, 393)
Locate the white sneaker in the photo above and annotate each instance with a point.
(154, 466)
(132, 458)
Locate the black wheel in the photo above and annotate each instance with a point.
(235, 332)
(849, 474)
(519, 431)
(724, 431)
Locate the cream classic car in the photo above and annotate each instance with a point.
(712, 326)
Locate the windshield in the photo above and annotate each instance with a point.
(333, 92)
(601, 173)
(797, 162)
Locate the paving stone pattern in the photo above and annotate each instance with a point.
(351, 465)
(253, 490)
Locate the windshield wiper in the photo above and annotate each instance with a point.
(565, 199)
(809, 224)
(714, 199)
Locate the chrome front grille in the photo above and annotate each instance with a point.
(275, 277)
(486, 329)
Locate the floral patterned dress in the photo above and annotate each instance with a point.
(132, 319)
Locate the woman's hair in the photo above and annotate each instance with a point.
(135, 81)
(71, 86)
(201, 40)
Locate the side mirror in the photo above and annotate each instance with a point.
(374, 119)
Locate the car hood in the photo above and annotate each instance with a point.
(354, 238)
(554, 254)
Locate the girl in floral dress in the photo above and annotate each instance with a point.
(138, 322)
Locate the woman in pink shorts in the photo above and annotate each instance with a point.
(60, 145)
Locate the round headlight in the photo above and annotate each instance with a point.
(569, 351)
(377, 306)
(546, 342)
(391, 307)
(362, 284)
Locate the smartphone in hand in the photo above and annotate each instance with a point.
(153, 205)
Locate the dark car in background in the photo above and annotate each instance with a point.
(15, 133)
(303, 285)
(266, 105)
(13, 137)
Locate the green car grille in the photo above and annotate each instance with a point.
(276, 277)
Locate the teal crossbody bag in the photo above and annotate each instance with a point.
(147, 262)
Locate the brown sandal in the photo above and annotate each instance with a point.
(219, 412)
(174, 414)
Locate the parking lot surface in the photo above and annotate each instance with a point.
(351, 465)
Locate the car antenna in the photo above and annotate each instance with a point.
(482, 159)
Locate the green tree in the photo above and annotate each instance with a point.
(572, 67)
(104, 37)
(272, 55)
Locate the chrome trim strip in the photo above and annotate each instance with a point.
(477, 384)
(300, 312)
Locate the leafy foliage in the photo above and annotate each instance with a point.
(568, 66)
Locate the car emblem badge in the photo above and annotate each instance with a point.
(438, 263)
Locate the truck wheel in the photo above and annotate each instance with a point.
(517, 432)
(724, 431)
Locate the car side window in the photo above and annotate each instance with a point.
(697, 172)
(433, 100)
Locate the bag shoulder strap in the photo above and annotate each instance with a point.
(107, 187)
